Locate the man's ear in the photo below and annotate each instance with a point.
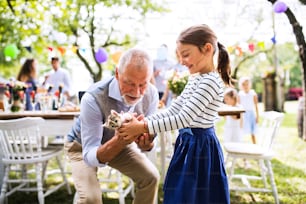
(117, 73)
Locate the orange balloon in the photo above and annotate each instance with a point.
(62, 50)
(116, 56)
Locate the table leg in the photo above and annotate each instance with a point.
(162, 154)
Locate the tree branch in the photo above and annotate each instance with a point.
(10, 6)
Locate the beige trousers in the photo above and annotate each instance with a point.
(130, 162)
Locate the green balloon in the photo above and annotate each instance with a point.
(11, 51)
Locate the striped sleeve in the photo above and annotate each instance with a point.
(207, 90)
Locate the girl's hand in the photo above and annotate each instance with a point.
(131, 130)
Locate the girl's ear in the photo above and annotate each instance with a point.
(207, 47)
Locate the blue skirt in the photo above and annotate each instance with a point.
(196, 173)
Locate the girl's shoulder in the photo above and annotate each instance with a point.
(252, 92)
(212, 76)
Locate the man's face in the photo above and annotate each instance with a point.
(133, 84)
(55, 64)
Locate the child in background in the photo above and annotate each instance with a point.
(233, 131)
(247, 97)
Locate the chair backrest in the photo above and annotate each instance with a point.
(20, 138)
(268, 127)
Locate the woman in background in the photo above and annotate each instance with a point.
(27, 74)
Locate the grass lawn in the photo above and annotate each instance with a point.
(289, 167)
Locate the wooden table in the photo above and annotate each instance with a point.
(44, 114)
(56, 122)
(230, 110)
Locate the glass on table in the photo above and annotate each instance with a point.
(44, 101)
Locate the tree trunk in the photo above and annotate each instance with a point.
(269, 94)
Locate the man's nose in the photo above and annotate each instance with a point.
(136, 91)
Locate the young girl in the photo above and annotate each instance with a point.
(233, 131)
(196, 173)
(247, 97)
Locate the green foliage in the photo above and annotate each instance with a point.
(177, 83)
(259, 65)
(86, 24)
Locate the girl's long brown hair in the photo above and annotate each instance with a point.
(199, 35)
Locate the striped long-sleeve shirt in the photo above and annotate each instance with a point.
(196, 106)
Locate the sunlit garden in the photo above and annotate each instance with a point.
(264, 39)
(288, 165)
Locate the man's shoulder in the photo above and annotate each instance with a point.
(151, 90)
(62, 70)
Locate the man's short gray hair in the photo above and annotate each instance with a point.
(137, 57)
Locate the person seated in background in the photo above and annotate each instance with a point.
(90, 145)
(27, 74)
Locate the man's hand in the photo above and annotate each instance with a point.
(145, 142)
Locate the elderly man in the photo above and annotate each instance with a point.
(129, 91)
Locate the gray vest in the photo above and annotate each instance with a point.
(100, 92)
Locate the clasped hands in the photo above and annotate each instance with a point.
(134, 130)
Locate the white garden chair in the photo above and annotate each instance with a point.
(21, 146)
(261, 152)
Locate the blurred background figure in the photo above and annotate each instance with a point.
(179, 70)
(57, 78)
(247, 97)
(28, 74)
(233, 131)
(162, 66)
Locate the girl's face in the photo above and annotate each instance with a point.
(194, 59)
(229, 100)
(246, 86)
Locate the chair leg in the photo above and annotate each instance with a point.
(120, 188)
(44, 169)
(121, 199)
(133, 188)
(232, 169)
(272, 181)
(58, 159)
(4, 185)
(75, 198)
(40, 193)
(263, 172)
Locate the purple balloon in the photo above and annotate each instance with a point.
(279, 7)
(101, 55)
